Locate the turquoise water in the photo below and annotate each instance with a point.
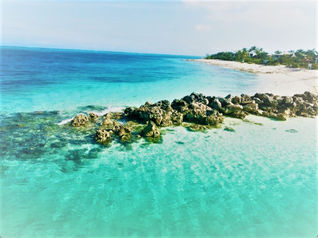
(259, 181)
(46, 79)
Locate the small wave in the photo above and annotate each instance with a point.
(99, 113)
(110, 109)
(65, 121)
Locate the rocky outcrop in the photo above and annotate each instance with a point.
(93, 117)
(103, 136)
(200, 113)
(280, 108)
(151, 130)
(195, 112)
(176, 118)
(161, 113)
(80, 120)
(124, 134)
(111, 124)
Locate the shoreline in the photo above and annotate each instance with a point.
(275, 79)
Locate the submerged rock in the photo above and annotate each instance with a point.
(291, 131)
(278, 116)
(196, 127)
(230, 129)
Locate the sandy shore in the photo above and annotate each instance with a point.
(275, 79)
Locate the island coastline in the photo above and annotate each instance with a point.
(284, 80)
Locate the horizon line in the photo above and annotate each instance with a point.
(92, 50)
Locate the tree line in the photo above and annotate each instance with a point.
(294, 59)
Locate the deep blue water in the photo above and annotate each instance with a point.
(258, 181)
(49, 79)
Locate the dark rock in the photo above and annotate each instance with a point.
(233, 108)
(225, 101)
(124, 134)
(107, 123)
(228, 96)
(151, 112)
(288, 101)
(166, 119)
(236, 100)
(216, 104)
(196, 97)
(257, 100)
(201, 114)
(213, 118)
(151, 130)
(110, 124)
(266, 101)
(176, 117)
(239, 114)
(103, 136)
(196, 113)
(128, 112)
(93, 116)
(251, 108)
(114, 115)
(308, 96)
(179, 105)
(245, 99)
(116, 127)
(164, 105)
(80, 120)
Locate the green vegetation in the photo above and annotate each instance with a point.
(293, 59)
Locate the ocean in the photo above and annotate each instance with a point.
(259, 180)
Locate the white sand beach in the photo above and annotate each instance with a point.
(275, 79)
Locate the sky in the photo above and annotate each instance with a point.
(172, 27)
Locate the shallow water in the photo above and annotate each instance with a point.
(255, 181)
